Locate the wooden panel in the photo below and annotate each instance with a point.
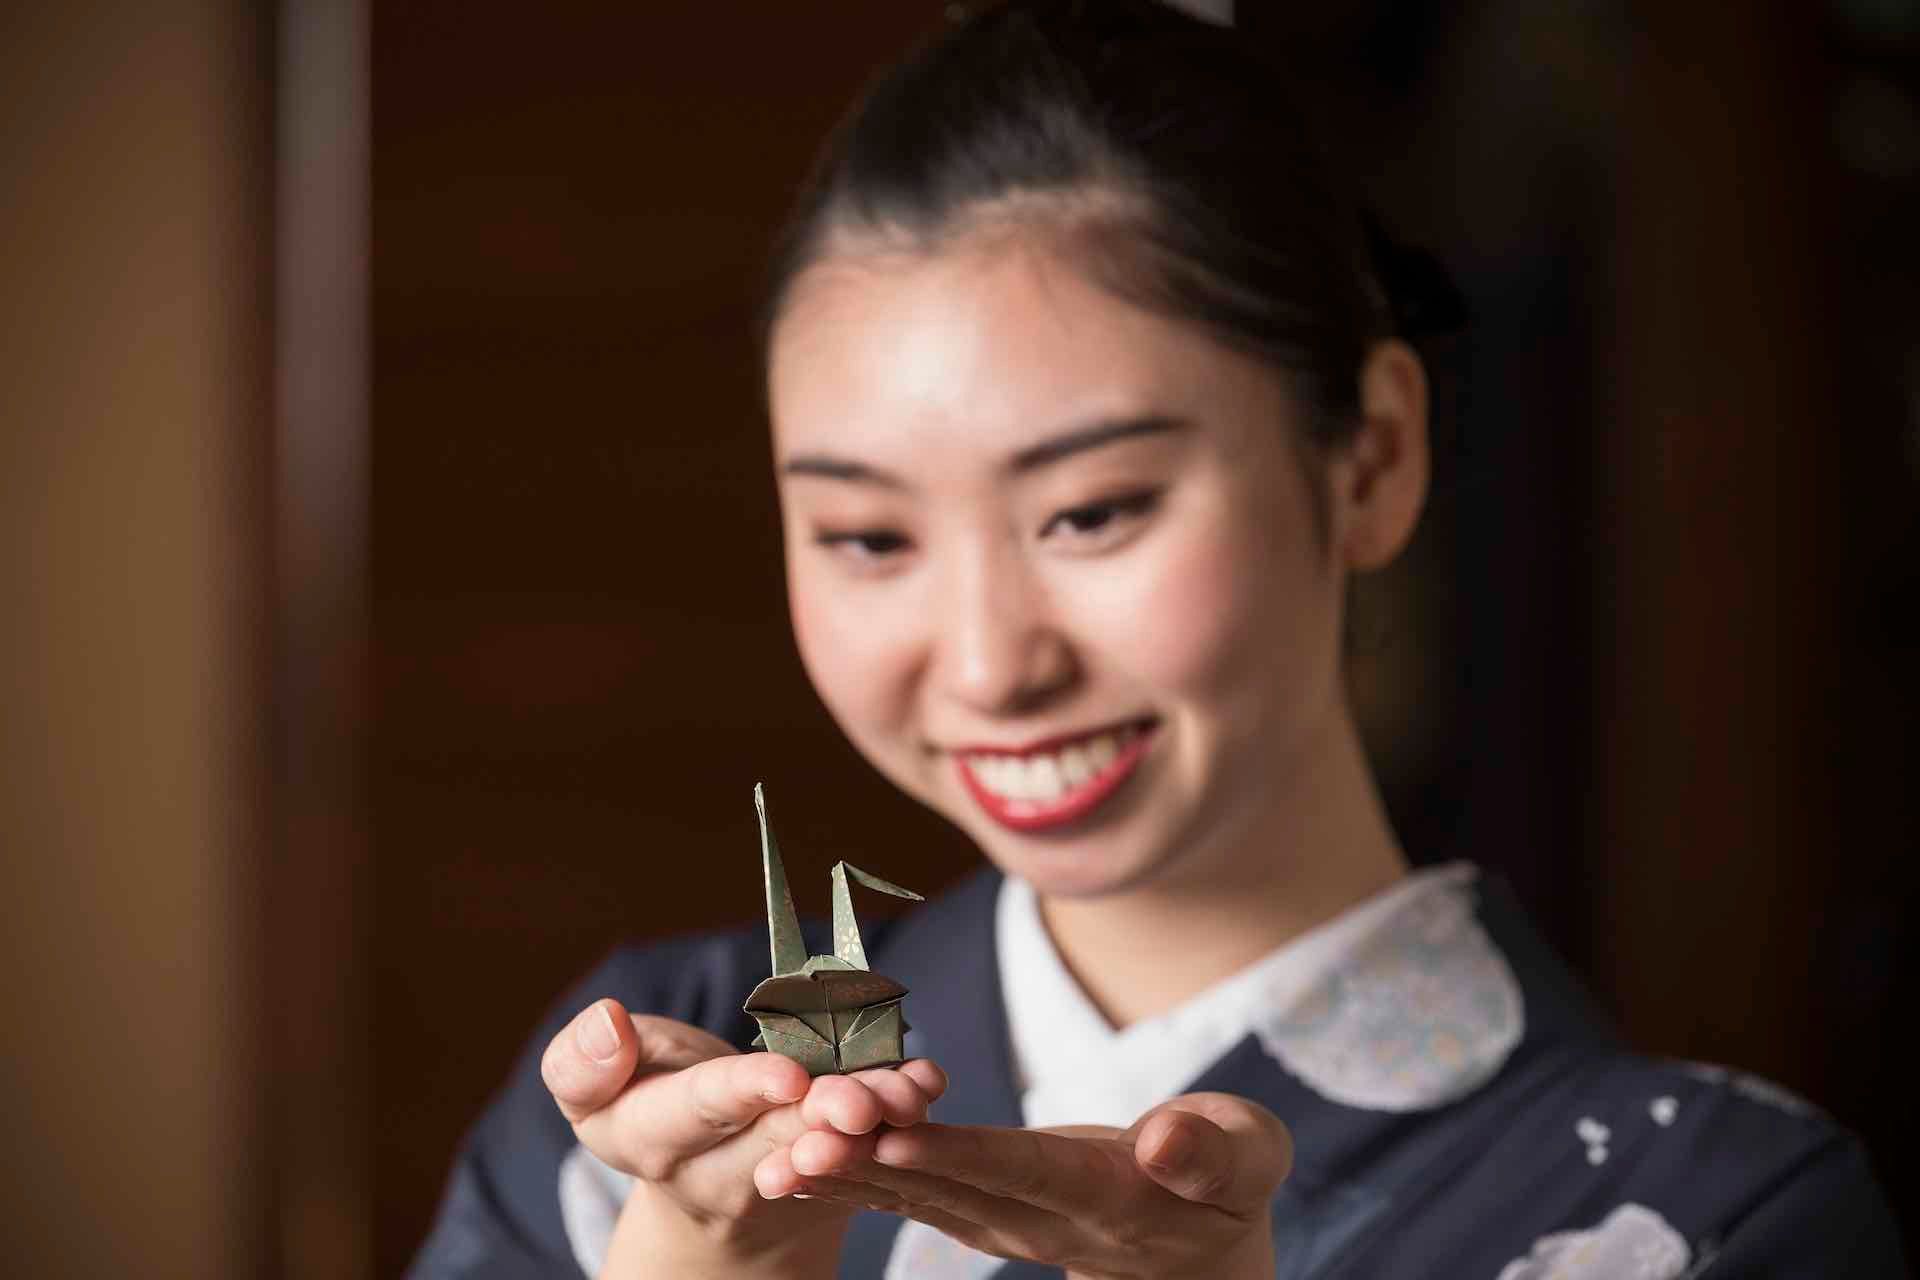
(315, 913)
(1717, 491)
(132, 435)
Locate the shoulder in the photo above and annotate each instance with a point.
(1713, 1132)
(1707, 1170)
(1582, 1158)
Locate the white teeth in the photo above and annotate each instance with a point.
(1074, 766)
(1028, 784)
(1045, 777)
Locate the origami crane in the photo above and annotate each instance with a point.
(831, 1014)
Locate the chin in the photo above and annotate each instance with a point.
(1091, 865)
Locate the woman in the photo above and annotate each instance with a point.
(1087, 401)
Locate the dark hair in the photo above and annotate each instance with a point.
(1161, 146)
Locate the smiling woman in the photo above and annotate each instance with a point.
(1088, 400)
(989, 592)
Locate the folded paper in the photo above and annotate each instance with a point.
(831, 1014)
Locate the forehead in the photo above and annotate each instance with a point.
(979, 346)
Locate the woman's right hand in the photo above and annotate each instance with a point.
(690, 1117)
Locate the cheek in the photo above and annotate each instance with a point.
(1185, 639)
(1220, 614)
(852, 651)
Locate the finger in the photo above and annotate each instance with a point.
(1061, 1174)
(669, 1045)
(1189, 1155)
(901, 1101)
(774, 1176)
(755, 1162)
(861, 1194)
(928, 1075)
(594, 1057)
(668, 1118)
(822, 1152)
(996, 1224)
(591, 1059)
(864, 1195)
(1215, 1149)
(843, 1103)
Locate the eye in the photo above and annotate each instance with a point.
(1101, 522)
(863, 546)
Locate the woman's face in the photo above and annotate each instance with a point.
(1053, 561)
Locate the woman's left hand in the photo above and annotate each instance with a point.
(1184, 1192)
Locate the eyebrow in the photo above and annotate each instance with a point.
(1092, 436)
(831, 468)
(1080, 439)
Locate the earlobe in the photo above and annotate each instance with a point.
(1387, 459)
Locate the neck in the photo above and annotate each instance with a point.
(1318, 845)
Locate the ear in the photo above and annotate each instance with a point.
(1379, 476)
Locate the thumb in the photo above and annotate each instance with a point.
(1215, 1149)
(594, 1057)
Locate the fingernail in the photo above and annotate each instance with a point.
(596, 1036)
(1173, 1150)
(784, 1093)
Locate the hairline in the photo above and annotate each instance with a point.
(1070, 218)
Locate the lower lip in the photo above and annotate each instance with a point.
(1069, 807)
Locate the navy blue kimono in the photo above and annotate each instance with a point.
(1573, 1159)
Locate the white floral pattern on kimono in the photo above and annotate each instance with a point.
(1633, 1243)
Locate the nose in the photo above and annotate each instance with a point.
(1000, 651)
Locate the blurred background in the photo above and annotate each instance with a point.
(390, 616)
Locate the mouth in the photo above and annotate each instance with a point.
(1051, 784)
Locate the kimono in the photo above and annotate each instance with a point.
(1459, 1109)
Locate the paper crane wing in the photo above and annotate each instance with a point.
(846, 930)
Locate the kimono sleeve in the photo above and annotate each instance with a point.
(500, 1216)
(1830, 1219)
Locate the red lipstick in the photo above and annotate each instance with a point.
(1074, 802)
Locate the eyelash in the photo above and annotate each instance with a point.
(1089, 521)
(859, 543)
(1101, 516)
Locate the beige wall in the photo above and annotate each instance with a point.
(131, 376)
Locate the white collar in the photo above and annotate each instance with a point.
(1409, 965)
